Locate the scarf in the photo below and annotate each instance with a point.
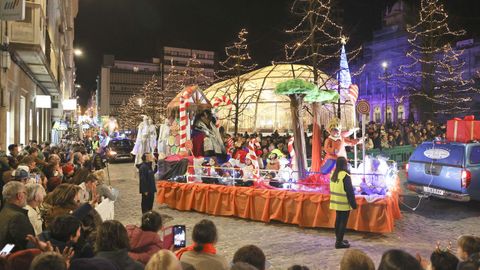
(207, 248)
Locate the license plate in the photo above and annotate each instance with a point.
(434, 191)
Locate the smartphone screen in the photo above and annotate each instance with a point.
(179, 236)
(7, 249)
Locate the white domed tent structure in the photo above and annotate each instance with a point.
(264, 111)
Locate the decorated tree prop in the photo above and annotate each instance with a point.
(434, 77)
(237, 63)
(296, 90)
(317, 41)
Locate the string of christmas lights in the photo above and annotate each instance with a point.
(149, 101)
(237, 63)
(436, 71)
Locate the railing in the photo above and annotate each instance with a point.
(399, 154)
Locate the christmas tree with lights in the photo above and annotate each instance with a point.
(150, 101)
(175, 81)
(153, 100)
(238, 62)
(195, 74)
(434, 78)
(129, 114)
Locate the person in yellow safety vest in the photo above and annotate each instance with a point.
(95, 144)
(342, 200)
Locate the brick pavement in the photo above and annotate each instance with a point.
(285, 245)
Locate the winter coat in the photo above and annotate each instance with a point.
(143, 244)
(14, 226)
(147, 178)
(82, 249)
(35, 218)
(203, 261)
(121, 259)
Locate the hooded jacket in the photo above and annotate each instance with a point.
(143, 244)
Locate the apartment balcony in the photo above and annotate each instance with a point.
(30, 47)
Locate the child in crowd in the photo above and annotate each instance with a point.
(468, 250)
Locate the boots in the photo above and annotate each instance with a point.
(342, 244)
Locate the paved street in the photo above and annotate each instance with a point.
(285, 245)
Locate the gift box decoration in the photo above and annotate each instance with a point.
(463, 130)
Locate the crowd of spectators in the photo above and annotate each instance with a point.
(49, 194)
(382, 136)
(117, 247)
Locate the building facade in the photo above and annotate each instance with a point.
(182, 59)
(385, 54)
(119, 80)
(37, 70)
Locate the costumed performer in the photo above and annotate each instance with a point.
(163, 134)
(143, 141)
(206, 138)
(152, 136)
(335, 144)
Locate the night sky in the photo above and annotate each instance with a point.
(137, 29)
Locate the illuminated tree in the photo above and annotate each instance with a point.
(317, 42)
(174, 83)
(149, 101)
(195, 73)
(129, 113)
(238, 62)
(153, 104)
(433, 78)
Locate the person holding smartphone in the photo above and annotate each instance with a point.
(342, 199)
(202, 255)
(147, 182)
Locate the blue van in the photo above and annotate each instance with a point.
(447, 170)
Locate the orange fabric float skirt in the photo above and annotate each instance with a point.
(306, 209)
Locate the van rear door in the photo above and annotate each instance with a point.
(437, 166)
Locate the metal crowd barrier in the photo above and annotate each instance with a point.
(399, 154)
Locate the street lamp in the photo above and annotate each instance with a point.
(77, 52)
(385, 66)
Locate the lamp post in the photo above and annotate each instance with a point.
(385, 66)
(77, 52)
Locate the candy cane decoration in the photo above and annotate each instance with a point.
(253, 157)
(220, 102)
(229, 146)
(291, 151)
(184, 121)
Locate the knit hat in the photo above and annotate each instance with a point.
(92, 264)
(68, 168)
(21, 174)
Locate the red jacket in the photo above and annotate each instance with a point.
(143, 244)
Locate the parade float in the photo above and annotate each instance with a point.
(294, 194)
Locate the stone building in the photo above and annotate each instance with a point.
(120, 79)
(37, 69)
(385, 54)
